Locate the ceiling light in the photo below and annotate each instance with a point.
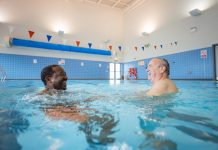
(195, 12)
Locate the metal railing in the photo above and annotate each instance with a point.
(2, 74)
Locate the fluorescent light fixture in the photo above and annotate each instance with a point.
(195, 12)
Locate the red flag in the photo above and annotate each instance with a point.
(136, 48)
(31, 33)
(110, 47)
(77, 43)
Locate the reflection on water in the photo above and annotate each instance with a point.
(159, 107)
(157, 142)
(11, 124)
(99, 129)
(193, 119)
(97, 126)
(196, 133)
(202, 135)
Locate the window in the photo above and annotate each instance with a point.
(114, 71)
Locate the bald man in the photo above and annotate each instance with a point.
(158, 73)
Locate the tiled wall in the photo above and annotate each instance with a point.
(185, 65)
(22, 67)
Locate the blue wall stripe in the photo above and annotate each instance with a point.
(50, 46)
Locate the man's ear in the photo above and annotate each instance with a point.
(48, 79)
(163, 69)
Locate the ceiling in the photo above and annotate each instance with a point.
(42, 16)
(119, 4)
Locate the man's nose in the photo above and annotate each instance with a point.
(65, 78)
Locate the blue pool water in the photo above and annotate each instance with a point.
(119, 116)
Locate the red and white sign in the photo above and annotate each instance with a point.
(203, 54)
(61, 62)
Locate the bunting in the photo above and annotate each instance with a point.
(90, 45)
(77, 43)
(143, 48)
(110, 47)
(147, 45)
(49, 37)
(31, 33)
(136, 48)
(119, 47)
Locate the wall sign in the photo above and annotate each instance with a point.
(203, 54)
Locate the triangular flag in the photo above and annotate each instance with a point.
(143, 48)
(11, 29)
(161, 46)
(90, 45)
(120, 48)
(77, 43)
(147, 45)
(155, 46)
(136, 48)
(49, 37)
(175, 43)
(110, 47)
(31, 33)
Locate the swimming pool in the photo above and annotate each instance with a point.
(119, 116)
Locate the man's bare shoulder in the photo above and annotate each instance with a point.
(162, 87)
(171, 86)
(157, 89)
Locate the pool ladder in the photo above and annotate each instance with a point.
(3, 74)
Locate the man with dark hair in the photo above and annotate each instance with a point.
(158, 73)
(54, 78)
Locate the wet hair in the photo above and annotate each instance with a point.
(47, 71)
(167, 65)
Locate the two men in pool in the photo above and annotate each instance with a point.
(158, 73)
(54, 78)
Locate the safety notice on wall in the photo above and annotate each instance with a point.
(203, 54)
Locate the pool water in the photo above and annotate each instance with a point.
(118, 116)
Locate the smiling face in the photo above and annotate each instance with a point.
(58, 80)
(155, 70)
